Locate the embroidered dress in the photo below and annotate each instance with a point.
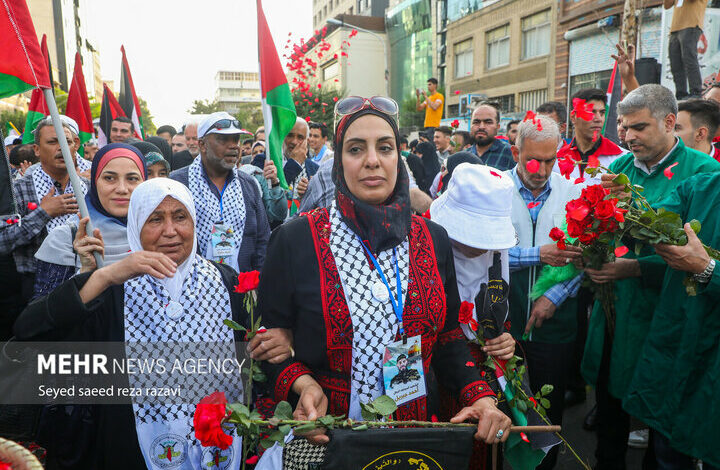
(374, 323)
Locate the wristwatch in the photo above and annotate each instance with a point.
(704, 277)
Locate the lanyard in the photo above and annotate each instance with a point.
(397, 305)
(221, 199)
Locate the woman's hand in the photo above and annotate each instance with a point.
(273, 345)
(490, 420)
(312, 405)
(502, 347)
(136, 264)
(85, 246)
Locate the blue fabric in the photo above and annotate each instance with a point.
(497, 156)
(48, 276)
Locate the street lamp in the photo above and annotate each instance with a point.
(343, 24)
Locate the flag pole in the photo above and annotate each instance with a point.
(70, 165)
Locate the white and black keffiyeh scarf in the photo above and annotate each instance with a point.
(82, 164)
(208, 208)
(43, 183)
(165, 430)
(374, 323)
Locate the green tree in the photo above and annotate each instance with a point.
(147, 118)
(205, 107)
(15, 116)
(410, 118)
(317, 106)
(250, 116)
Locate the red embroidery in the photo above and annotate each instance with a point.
(424, 312)
(450, 336)
(474, 391)
(287, 377)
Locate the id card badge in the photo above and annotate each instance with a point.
(223, 243)
(403, 373)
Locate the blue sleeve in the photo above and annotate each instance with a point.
(559, 293)
(523, 257)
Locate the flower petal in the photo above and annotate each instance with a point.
(621, 251)
(668, 171)
(532, 166)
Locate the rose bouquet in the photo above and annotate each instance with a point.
(605, 225)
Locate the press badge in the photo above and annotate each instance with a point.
(223, 243)
(403, 372)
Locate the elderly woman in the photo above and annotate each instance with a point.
(376, 283)
(116, 171)
(161, 292)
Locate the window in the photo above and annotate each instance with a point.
(498, 47)
(590, 80)
(505, 102)
(530, 100)
(535, 35)
(463, 58)
(331, 71)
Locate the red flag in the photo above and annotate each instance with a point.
(110, 110)
(78, 105)
(37, 110)
(21, 63)
(128, 99)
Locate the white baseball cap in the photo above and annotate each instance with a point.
(10, 139)
(69, 122)
(220, 122)
(476, 208)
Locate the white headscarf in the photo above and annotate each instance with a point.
(143, 202)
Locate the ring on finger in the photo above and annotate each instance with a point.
(499, 434)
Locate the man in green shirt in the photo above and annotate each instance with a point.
(675, 384)
(648, 117)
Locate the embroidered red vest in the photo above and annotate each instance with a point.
(423, 314)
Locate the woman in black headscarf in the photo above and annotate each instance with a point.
(341, 297)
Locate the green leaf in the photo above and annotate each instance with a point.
(695, 225)
(545, 403)
(638, 248)
(385, 405)
(285, 429)
(283, 411)
(621, 179)
(234, 325)
(267, 443)
(328, 421)
(368, 412)
(240, 409)
(522, 406)
(546, 390)
(362, 427)
(639, 188)
(306, 427)
(257, 324)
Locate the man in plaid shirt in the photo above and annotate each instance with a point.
(484, 128)
(22, 234)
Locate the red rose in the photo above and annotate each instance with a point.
(556, 234)
(588, 238)
(575, 228)
(455, 123)
(566, 166)
(607, 226)
(605, 209)
(466, 312)
(247, 281)
(473, 324)
(620, 214)
(207, 421)
(594, 194)
(577, 209)
(252, 460)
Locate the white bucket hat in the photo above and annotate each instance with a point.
(476, 208)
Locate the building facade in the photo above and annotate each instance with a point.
(233, 88)
(325, 9)
(356, 69)
(586, 36)
(502, 51)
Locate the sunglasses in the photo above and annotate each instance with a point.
(353, 104)
(223, 124)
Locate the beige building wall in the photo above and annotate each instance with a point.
(324, 9)
(526, 80)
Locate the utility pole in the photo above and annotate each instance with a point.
(629, 31)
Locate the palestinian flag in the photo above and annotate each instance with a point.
(518, 451)
(277, 102)
(22, 66)
(38, 107)
(128, 99)
(614, 94)
(110, 110)
(78, 105)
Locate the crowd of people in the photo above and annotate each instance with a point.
(176, 216)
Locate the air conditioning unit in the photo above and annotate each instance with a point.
(469, 102)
